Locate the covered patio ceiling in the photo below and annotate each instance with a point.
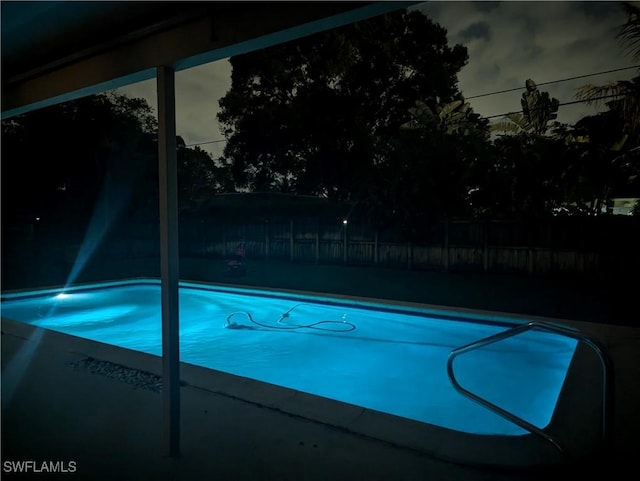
(57, 51)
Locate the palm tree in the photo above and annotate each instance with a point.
(621, 96)
(630, 31)
(512, 123)
(454, 117)
(538, 109)
(623, 100)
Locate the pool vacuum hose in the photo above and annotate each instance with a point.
(345, 326)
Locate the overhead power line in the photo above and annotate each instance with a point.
(552, 82)
(207, 142)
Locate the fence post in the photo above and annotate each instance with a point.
(346, 241)
(530, 227)
(267, 240)
(409, 254)
(582, 264)
(375, 247)
(224, 240)
(291, 246)
(551, 247)
(445, 248)
(318, 241)
(485, 246)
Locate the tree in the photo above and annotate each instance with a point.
(453, 118)
(622, 97)
(68, 157)
(521, 176)
(101, 148)
(597, 169)
(512, 123)
(538, 109)
(199, 178)
(321, 115)
(623, 101)
(431, 173)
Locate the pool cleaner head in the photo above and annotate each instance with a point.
(229, 324)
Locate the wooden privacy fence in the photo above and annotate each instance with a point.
(456, 245)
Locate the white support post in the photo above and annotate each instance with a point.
(169, 258)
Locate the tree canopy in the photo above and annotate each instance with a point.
(322, 115)
(611, 140)
(62, 154)
(68, 157)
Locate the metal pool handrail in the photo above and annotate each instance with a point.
(607, 389)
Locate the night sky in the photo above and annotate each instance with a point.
(507, 42)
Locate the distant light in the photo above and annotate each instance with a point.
(37, 219)
(344, 221)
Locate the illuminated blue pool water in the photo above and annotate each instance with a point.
(387, 358)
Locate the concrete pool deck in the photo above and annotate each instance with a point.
(54, 410)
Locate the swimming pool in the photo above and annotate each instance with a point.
(384, 357)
